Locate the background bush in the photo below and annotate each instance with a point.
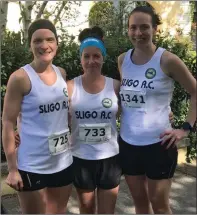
(15, 54)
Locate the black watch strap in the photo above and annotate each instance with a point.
(186, 126)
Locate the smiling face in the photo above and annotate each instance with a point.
(141, 29)
(43, 45)
(92, 60)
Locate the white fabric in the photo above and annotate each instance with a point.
(94, 132)
(146, 93)
(44, 117)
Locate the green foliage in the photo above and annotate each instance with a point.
(100, 13)
(68, 58)
(113, 20)
(182, 47)
(191, 150)
(193, 8)
(15, 55)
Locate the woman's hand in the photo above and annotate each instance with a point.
(171, 117)
(17, 139)
(14, 180)
(172, 137)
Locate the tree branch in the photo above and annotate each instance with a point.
(56, 7)
(59, 12)
(3, 17)
(20, 5)
(40, 12)
(34, 3)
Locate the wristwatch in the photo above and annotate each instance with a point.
(186, 126)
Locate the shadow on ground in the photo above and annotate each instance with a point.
(182, 198)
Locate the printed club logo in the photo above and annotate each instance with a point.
(107, 103)
(65, 92)
(150, 73)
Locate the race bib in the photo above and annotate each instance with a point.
(133, 99)
(95, 133)
(59, 142)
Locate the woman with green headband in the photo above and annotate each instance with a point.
(41, 170)
(93, 108)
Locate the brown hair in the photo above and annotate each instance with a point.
(95, 32)
(156, 20)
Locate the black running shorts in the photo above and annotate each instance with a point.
(92, 174)
(34, 181)
(154, 161)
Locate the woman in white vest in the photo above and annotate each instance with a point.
(148, 148)
(93, 108)
(41, 170)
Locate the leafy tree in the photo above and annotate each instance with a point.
(68, 58)
(193, 16)
(3, 17)
(57, 12)
(113, 20)
(116, 42)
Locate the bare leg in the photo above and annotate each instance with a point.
(32, 202)
(139, 191)
(159, 191)
(107, 200)
(57, 199)
(86, 201)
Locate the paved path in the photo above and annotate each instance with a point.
(182, 198)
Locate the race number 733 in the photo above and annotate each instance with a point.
(94, 132)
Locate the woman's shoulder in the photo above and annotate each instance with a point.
(62, 71)
(121, 57)
(168, 58)
(19, 75)
(116, 84)
(19, 81)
